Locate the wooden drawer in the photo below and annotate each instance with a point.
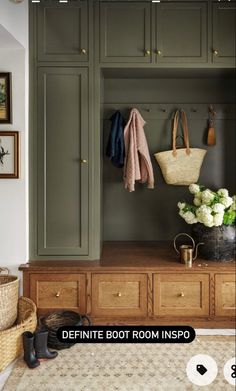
(58, 291)
(119, 295)
(225, 300)
(181, 294)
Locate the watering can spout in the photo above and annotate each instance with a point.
(196, 250)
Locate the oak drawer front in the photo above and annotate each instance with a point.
(181, 294)
(58, 291)
(225, 301)
(119, 295)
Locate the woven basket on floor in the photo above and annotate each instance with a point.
(54, 321)
(11, 344)
(9, 288)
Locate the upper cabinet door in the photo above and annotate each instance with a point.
(181, 32)
(125, 32)
(62, 145)
(62, 31)
(224, 31)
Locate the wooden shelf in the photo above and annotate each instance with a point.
(130, 256)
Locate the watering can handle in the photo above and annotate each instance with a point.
(182, 233)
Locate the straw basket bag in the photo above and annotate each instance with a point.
(11, 342)
(9, 286)
(181, 166)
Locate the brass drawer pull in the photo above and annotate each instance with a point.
(147, 52)
(84, 161)
(119, 294)
(159, 52)
(83, 51)
(181, 294)
(215, 52)
(58, 294)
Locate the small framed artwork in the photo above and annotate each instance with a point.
(5, 98)
(9, 154)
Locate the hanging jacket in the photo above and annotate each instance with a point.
(115, 149)
(138, 166)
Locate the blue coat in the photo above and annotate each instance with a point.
(115, 149)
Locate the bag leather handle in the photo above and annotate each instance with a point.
(180, 114)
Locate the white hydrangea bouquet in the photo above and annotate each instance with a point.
(210, 208)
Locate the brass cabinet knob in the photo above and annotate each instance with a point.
(215, 52)
(159, 52)
(119, 294)
(57, 294)
(181, 294)
(147, 52)
(83, 51)
(83, 161)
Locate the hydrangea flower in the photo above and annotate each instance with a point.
(209, 208)
(223, 193)
(227, 201)
(194, 188)
(197, 201)
(218, 208)
(218, 219)
(190, 218)
(207, 197)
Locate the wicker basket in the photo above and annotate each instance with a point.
(180, 166)
(11, 344)
(56, 320)
(9, 288)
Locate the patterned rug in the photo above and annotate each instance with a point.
(123, 367)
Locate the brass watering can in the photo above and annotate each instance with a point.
(186, 251)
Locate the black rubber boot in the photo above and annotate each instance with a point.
(29, 353)
(41, 346)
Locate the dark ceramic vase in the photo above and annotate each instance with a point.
(219, 242)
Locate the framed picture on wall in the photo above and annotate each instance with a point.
(5, 98)
(9, 154)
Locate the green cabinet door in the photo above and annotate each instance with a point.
(125, 32)
(62, 147)
(62, 31)
(181, 32)
(224, 33)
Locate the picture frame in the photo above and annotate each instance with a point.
(9, 154)
(5, 98)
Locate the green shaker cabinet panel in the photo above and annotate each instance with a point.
(62, 31)
(224, 33)
(125, 32)
(181, 32)
(62, 161)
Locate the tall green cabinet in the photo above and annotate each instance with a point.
(63, 170)
(63, 161)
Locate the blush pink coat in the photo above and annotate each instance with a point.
(138, 166)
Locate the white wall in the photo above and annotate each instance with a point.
(14, 192)
(14, 17)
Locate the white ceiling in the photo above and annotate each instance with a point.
(7, 41)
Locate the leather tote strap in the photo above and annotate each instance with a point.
(174, 131)
(186, 133)
(180, 114)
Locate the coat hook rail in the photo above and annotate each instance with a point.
(166, 110)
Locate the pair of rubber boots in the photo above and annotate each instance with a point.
(36, 348)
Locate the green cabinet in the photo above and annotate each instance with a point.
(125, 32)
(181, 32)
(224, 33)
(62, 161)
(62, 31)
